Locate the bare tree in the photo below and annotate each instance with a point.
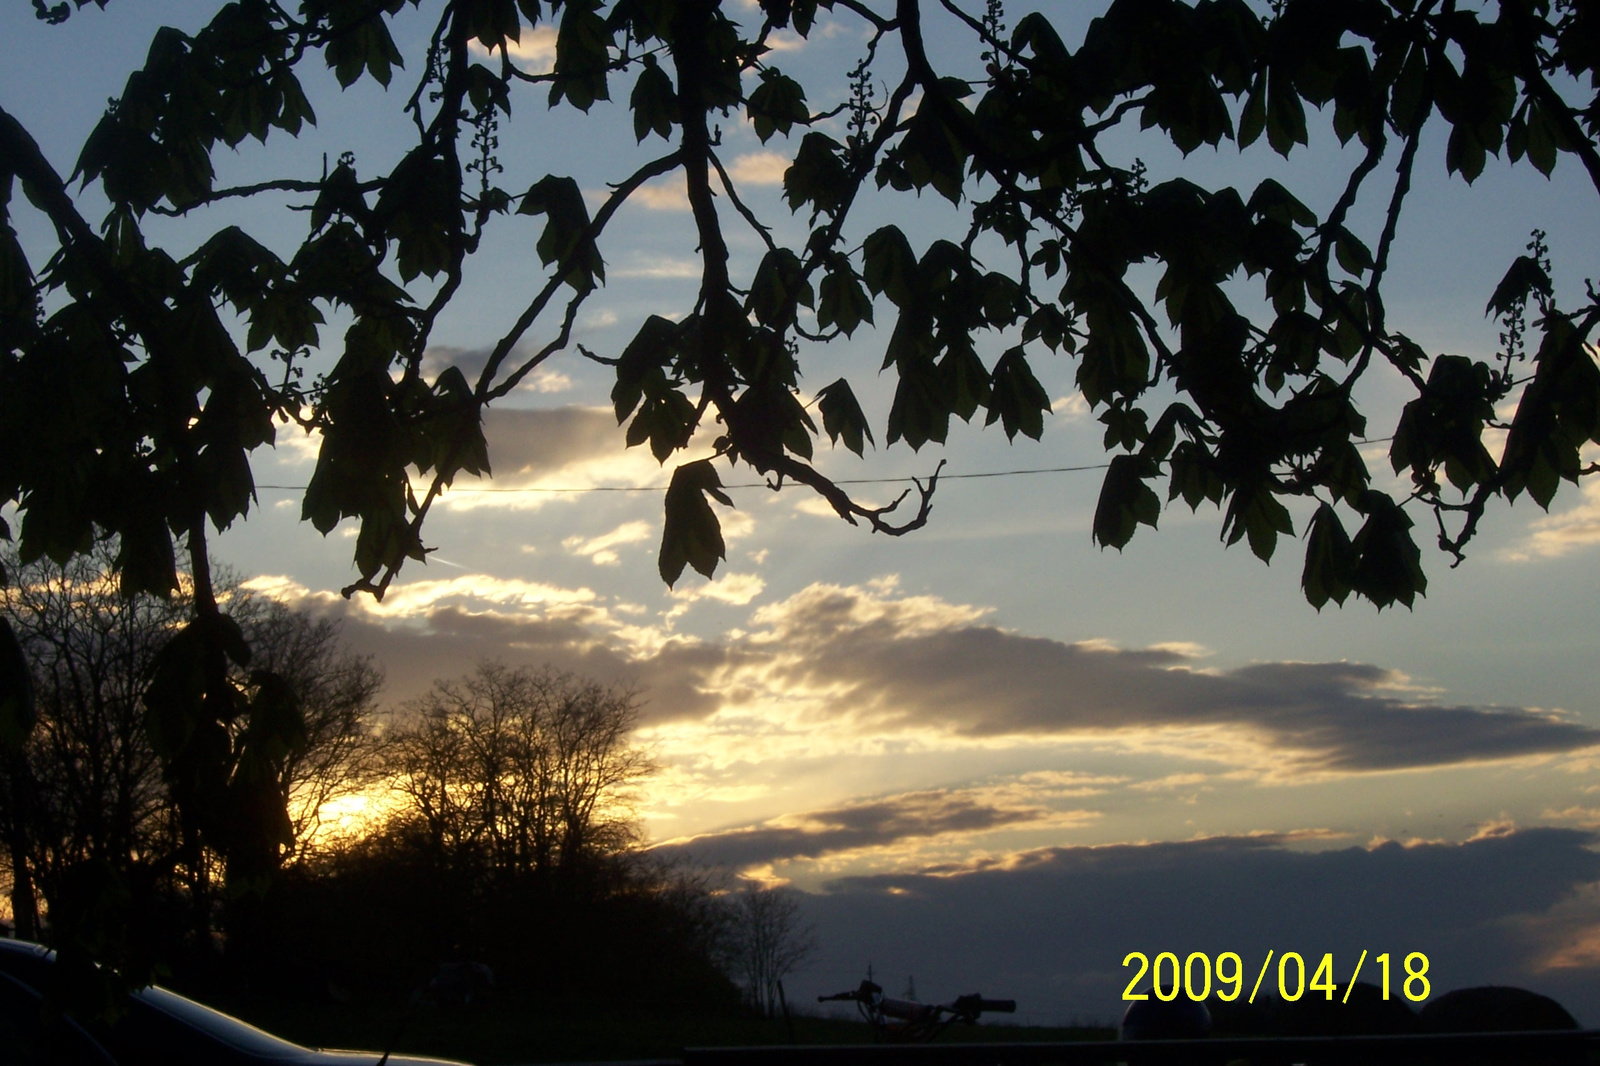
(516, 772)
(338, 699)
(771, 940)
(89, 787)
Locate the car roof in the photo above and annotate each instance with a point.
(32, 962)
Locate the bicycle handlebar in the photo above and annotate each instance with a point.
(969, 1005)
(976, 1004)
(866, 992)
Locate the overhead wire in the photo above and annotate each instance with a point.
(766, 485)
(760, 484)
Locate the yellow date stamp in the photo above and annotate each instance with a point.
(1195, 976)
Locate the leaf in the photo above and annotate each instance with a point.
(1286, 115)
(933, 155)
(654, 104)
(921, 408)
(966, 379)
(487, 89)
(1126, 426)
(1388, 564)
(1330, 560)
(844, 304)
(1016, 398)
(385, 538)
(691, 535)
(365, 46)
(891, 266)
(173, 698)
(450, 438)
(145, 560)
(1465, 152)
(421, 208)
(817, 176)
(1253, 119)
(777, 104)
(1125, 502)
(1559, 412)
(1408, 103)
(842, 417)
(1524, 278)
(780, 285)
(1255, 514)
(565, 240)
(583, 47)
(666, 419)
(277, 725)
(493, 22)
(1352, 254)
(644, 358)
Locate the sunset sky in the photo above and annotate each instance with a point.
(997, 756)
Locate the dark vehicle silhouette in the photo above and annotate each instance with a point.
(159, 1028)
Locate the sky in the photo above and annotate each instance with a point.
(993, 756)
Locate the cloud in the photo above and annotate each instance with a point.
(534, 51)
(899, 663)
(1585, 817)
(471, 361)
(599, 549)
(1560, 534)
(658, 266)
(728, 587)
(1070, 408)
(785, 41)
(530, 443)
(666, 195)
(789, 41)
(295, 445)
(429, 629)
(873, 823)
(835, 669)
(759, 168)
(535, 452)
(1051, 927)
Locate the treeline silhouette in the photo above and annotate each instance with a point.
(491, 848)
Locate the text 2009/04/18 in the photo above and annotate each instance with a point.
(1193, 976)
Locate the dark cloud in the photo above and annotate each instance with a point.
(441, 357)
(447, 642)
(904, 663)
(868, 823)
(527, 443)
(471, 361)
(1052, 927)
(982, 681)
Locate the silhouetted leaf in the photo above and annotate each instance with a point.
(692, 536)
(1016, 398)
(1125, 502)
(776, 105)
(1330, 560)
(566, 240)
(842, 417)
(655, 106)
(1524, 278)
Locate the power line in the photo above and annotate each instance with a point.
(762, 484)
